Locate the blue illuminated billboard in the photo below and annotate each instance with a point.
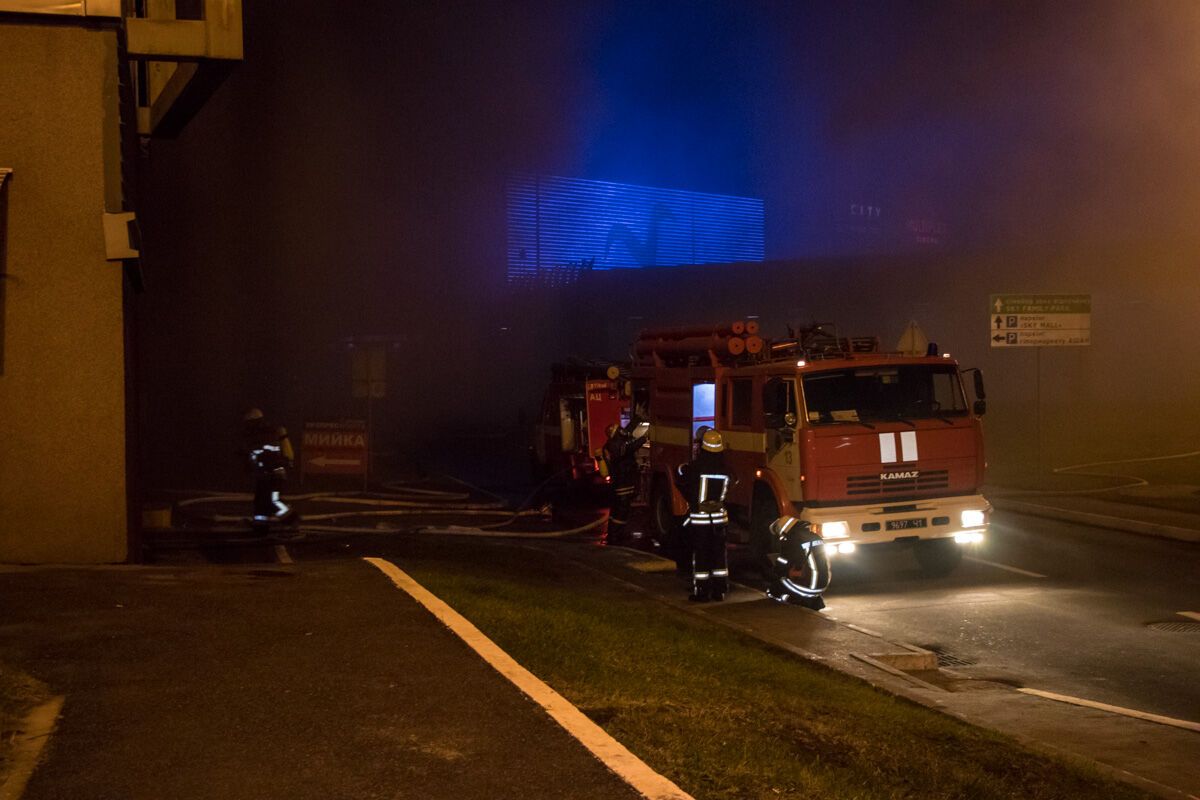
(559, 227)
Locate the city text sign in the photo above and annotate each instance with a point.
(1040, 320)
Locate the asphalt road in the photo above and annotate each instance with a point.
(1081, 630)
(309, 680)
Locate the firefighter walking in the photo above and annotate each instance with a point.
(705, 481)
(620, 454)
(269, 452)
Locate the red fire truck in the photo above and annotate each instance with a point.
(870, 447)
(581, 401)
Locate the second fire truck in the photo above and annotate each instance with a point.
(867, 446)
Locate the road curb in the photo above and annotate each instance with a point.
(1098, 520)
(27, 750)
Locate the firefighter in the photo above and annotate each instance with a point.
(620, 455)
(799, 566)
(705, 482)
(269, 453)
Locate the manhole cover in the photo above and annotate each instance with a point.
(1176, 627)
(947, 659)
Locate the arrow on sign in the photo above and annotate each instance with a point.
(322, 461)
(999, 322)
(999, 306)
(999, 337)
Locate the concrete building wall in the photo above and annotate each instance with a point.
(62, 413)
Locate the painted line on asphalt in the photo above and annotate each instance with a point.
(611, 753)
(27, 748)
(1126, 712)
(1017, 570)
(283, 555)
(1190, 614)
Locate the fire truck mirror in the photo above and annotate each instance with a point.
(980, 407)
(980, 392)
(782, 422)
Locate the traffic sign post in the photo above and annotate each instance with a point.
(368, 368)
(1039, 320)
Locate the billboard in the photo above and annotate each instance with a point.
(560, 227)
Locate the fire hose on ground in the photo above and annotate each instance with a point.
(1077, 469)
(400, 500)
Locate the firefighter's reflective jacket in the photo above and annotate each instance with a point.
(705, 482)
(268, 448)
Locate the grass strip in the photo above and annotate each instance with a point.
(721, 714)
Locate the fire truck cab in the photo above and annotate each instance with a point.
(868, 447)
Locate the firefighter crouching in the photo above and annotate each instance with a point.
(799, 566)
(270, 454)
(705, 482)
(620, 455)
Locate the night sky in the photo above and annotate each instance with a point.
(348, 177)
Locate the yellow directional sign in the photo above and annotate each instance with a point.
(1040, 320)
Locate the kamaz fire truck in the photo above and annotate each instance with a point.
(869, 447)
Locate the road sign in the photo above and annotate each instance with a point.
(368, 367)
(1040, 320)
(334, 448)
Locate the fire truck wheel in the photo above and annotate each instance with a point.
(666, 526)
(938, 557)
(762, 514)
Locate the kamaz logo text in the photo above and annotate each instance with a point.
(898, 476)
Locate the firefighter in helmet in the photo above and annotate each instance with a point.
(269, 453)
(799, 565)
(620, 455)
(705, 481)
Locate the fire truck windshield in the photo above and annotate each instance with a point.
(901, 392)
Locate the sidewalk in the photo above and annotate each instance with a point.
(1158, 758)
(1133, 514)
(311, 680)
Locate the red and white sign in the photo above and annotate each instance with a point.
(334, 448)
(603, 409)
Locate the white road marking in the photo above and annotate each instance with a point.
(1190, 614)
(1127, 712)
(283, 555)
(27, 748)
(1017, 570)
(611, 753)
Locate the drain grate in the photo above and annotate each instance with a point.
(1176, 627)
(948, 659)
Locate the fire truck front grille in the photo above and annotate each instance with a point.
(928, 480)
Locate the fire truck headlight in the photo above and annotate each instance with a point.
(973, 518)
(846, 547)
(968, 537)
(834, 530)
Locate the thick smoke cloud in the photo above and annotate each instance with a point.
(348, 179)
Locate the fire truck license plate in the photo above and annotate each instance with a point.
(905, 524)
